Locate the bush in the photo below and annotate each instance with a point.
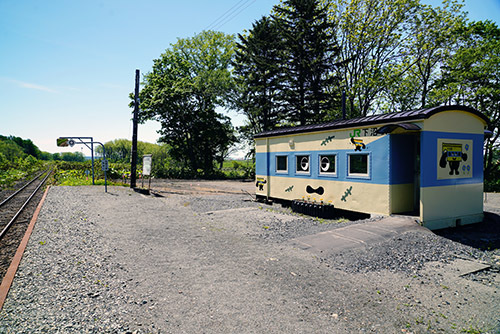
(14, 170)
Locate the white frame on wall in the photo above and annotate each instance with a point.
(281, 171)
(335, 161)
(368, 166)
(303, 172)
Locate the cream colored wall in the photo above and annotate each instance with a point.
(454, 121)
(315, 141)
(362, 197)
(441, 207)
(260, 145)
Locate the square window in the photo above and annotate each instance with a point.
(282, 163)
(327, 164)
(358, 164)
(302, 163)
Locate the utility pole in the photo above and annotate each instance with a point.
(133, 166)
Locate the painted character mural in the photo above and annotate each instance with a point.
(260, 183)
(358, 144)
(453, 156)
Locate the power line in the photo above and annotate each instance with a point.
(230, 14)
(236, 14)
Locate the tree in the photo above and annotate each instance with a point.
(259, 76)
(10, 150)
(372, 35)
(69, 156)
(26, 145)
(188, 82)
(433, 39)
(471, 76)
(309, 59)
(118, 150)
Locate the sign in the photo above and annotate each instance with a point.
(62, 141)
(105, 165)
(454, 157)
(146, 164)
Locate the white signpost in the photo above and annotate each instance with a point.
(146, 168)
(146, 164)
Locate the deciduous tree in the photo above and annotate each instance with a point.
(372, 35)
(186, 85)
(471, 77)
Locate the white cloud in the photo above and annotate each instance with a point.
(33, 86)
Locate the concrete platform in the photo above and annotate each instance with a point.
(357, 235)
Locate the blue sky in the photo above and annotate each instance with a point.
(67, 67)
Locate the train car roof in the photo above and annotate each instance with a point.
(370, 120)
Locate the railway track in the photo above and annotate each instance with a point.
(16, 211)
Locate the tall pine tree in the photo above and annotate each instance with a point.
(309, 58)
(259, 75)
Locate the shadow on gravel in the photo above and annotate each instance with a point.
(314, 211)
(483, 236)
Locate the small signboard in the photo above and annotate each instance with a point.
(455, 158)
(105, 165)
(146, 164)
(62, 141)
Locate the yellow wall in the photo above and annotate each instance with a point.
(441, 207)
(454, 121)
(314, 141)
(361, 197)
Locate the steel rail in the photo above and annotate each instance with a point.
(20, 189)
(6, 228)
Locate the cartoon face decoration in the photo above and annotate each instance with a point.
(454, 158)
(260, 183)
(358, 144)
(453, 155)
(302, 163)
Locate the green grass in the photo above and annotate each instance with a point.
(79, 178)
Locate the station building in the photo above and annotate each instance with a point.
(427, 163)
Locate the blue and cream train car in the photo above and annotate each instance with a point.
(428, 162)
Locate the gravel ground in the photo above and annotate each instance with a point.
(122, 262)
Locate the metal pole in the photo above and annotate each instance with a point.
(343, 105)
(105, 178)
(92, 154)
(105, 183)
(104, 158)
(133, 166)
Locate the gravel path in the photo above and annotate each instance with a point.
(122, 262)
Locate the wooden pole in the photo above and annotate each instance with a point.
(133, 166)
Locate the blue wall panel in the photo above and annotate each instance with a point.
(378, 151)
(429, 163)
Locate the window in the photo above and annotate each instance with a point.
(282, 164)
(327, 164)
(357, 165)
(302, 163)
